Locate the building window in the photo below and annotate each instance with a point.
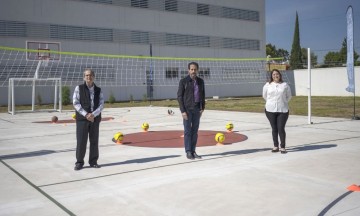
(140, 3)
(171, 5)
(171, 73)
(202, 9)
(100, 1)
(234, 13)
(187, 40)
(13, 28)
(80, 33)
(234, 43)
(204, 73)
(139, 37)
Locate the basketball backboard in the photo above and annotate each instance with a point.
(42, 50)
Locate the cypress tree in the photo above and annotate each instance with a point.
(295, 59)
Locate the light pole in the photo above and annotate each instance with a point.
(268, 61)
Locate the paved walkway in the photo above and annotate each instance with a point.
(244, 178)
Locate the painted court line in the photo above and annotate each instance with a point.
(38, 189)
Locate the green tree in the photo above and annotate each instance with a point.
(283, 53)
(335, 59)
(332, 59)
(295, 58)
(273, 52)
(304, 57)
(343, 52)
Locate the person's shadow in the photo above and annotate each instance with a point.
(310, 147)
(238, 152)
(140, 160)
(27, 154)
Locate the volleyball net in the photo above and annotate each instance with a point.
(122, 70)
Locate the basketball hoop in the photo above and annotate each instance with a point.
(44, 61)
(44, 56)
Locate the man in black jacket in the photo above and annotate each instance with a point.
(88, 101)
(191, 98)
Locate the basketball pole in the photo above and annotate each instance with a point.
(34, 85)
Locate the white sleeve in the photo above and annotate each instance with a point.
(76, 102)
(288, 92)
(264, 93)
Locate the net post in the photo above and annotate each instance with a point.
(60, 96)
(9, 96)
(55, 96)
(12, 97)
(309, 86)
(33, 96)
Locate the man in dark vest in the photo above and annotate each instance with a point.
(88, 101)
(191, 99)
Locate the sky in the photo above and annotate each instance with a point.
(322, 24)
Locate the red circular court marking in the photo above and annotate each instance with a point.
(173, 139)
(71, 121)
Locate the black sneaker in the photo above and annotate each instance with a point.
(78, 167)
(190, 156)
(95, 165)
(196, 155)
(283, 151)
(275, 149)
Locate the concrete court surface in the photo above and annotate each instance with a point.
(245, 178)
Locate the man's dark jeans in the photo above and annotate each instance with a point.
(191, 127)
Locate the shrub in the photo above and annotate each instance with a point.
(38, 99)
(65, 95)
(111, 98)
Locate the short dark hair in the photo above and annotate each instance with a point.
(193, 63)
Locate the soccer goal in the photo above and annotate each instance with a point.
(25, 83)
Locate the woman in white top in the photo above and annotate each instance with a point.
(277, 95)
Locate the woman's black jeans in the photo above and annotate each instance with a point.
(278, 121)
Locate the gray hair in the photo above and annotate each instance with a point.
(91, 72)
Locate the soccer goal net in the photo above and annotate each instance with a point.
(23, 86)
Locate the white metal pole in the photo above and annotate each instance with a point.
(33, 87)
(33, 96)
(309, 86)
(60, 96)
(55, 96)
(9, 96)
(12, 97)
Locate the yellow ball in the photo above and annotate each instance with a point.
(118, 136)
(145, 126)
(229, 126)
(73, 116)
(220, 137)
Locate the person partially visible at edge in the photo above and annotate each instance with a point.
(191, 99)
(88, 101)
(277, 95)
